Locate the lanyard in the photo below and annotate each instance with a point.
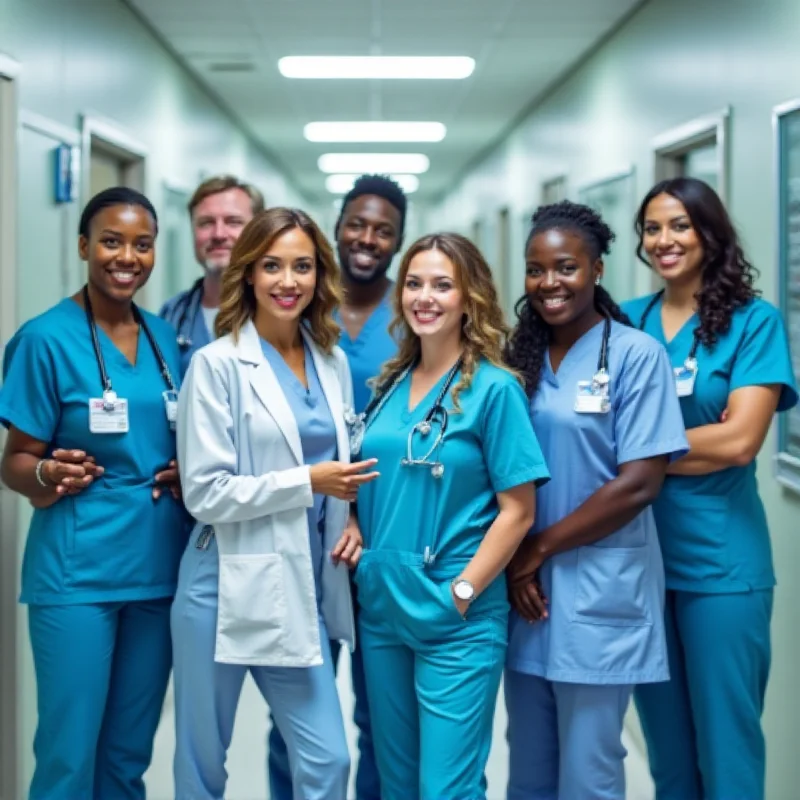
(691, 361)
(108, 393)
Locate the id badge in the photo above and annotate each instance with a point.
(590, 400)
(171, 407)
(108, 416)
(684, 380)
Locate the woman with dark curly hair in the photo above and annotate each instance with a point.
(732, 373)
(459, 462)
(603, 407)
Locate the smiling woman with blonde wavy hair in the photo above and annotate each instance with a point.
(459, 462)
(266, 474)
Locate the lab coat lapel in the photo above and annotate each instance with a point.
(267, 388)
(332, 389)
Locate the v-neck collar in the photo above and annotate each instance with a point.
(370, 322)
(575, 352)
(680, 335)
(117, 354)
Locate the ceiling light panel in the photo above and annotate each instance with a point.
(375, 131)
(377, 67)
(343, 183)
(381, 163)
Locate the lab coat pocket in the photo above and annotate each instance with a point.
(611, 587)
(252, 607)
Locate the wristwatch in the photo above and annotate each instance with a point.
(463, 590)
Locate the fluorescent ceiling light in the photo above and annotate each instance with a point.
(381, 163)
(377, 67)
(375, 131)
(343, 183)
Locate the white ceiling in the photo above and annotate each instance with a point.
(521, 48)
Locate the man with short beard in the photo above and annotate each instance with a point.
(219, 209)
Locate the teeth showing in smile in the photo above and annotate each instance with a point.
(669, 260)
(123, 277)
(554, 302)
(426, 316)
(286, 301)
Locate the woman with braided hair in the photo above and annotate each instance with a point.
(730, 354)
(587, 584)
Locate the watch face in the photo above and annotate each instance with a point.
(464, 590)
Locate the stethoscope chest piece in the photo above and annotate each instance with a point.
(423, 429)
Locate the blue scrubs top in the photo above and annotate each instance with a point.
(370, 350)
(488, 448)
(185, 315)
(605, 623)
(111, 542)
(713, 528)
(317, 438)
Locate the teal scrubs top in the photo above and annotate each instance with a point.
(185, 313)
(713, 528)
(111, 542)
(317, 438)
(489, 447)
(606, 620)
(370, 350)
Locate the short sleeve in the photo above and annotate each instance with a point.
(510, 446)
(648, 421)
(29, 398)
(764, 356)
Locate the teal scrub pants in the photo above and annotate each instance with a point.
(703, 727)
(101, 675)
(565, 739)
(432, 677)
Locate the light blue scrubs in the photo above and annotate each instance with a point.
(185, 314)
(433, 677)
(100, 567)
(703, 729)
(366, 354)
(569, 677)
(303, 701)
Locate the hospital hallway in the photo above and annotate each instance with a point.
(247, 756)
(618, 172)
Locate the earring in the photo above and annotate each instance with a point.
(597, 281)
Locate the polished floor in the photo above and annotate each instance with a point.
(247, 755)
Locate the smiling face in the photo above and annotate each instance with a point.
(284, 279)
(560, 275)
(367, 238)
(217, 222)
(432, 300)
(671, 241)
(120, 251)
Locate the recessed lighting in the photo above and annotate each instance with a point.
(380, 163)
(343, 183)
(375, 131)
(378, 67)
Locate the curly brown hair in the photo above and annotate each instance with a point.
(484, 330)
(727, 276)
(238, 301)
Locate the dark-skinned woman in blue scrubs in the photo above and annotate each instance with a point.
(89, 401)
(733, 371)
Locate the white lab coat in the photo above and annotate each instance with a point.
(242, 471)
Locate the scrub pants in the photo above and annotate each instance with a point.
(432, 677)
(303, 700)
(703, 727)
(565, 739)
(367, 781)
(101, 675)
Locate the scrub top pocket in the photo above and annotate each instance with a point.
(252, 607)
(610, 587)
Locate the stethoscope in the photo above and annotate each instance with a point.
(109, 395)
(437, 416)
(190, 305)
(690, 362)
